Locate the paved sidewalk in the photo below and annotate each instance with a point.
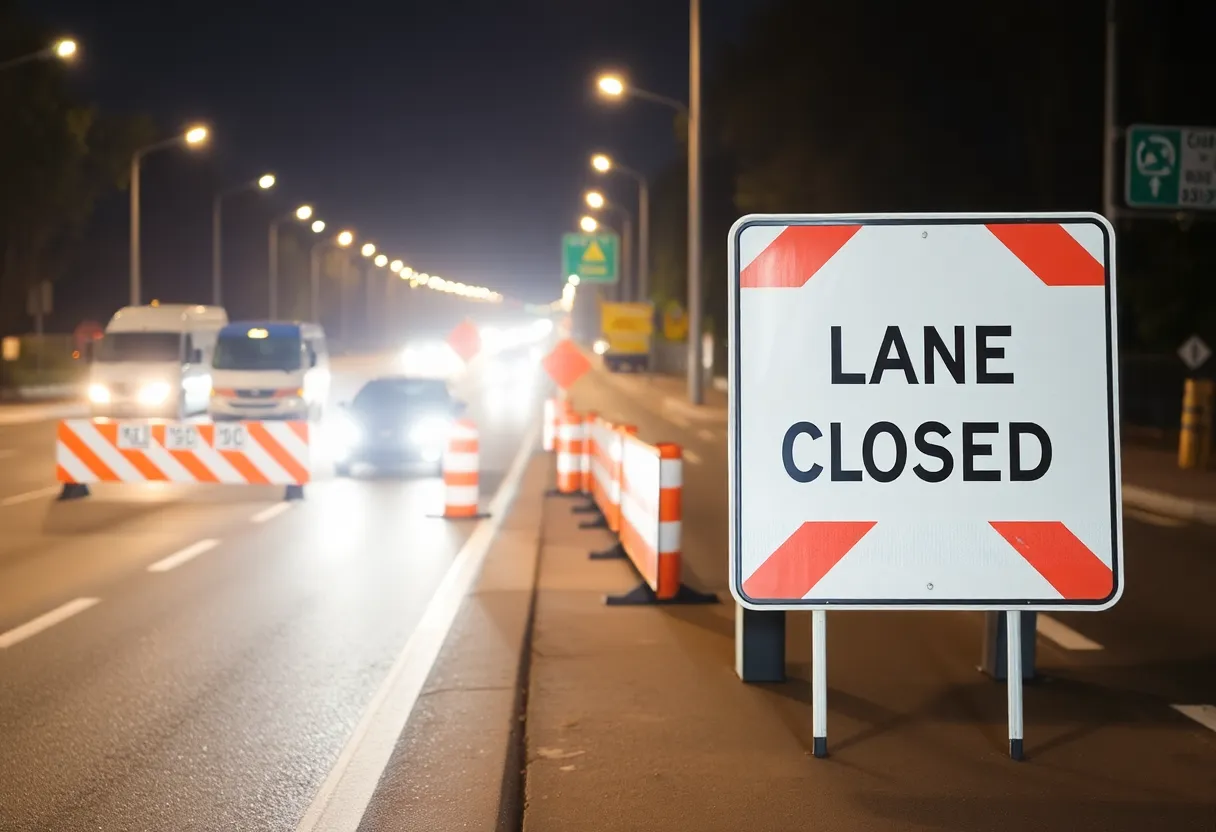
(636, 721)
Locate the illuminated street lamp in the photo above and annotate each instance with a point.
(64, 50)
(573, 280)
(588, 224)
(368, 249)
(396, 266)
(603, 163)
(264, 182)
(193, 137)
(302, 213)
(594, 199)
(613, 86)
(342, 239)
(381, 260)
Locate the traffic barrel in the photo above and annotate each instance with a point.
(548, 432)
(570, 433)
(461, 470)
(584, 460)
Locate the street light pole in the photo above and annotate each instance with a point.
(134, 237)
(274, 270)
(216, 253)
(1110, 129)
(696, 393)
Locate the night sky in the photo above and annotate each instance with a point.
(454, 134)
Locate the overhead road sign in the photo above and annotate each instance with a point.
(594, 258)
(924, 412)
(1171, 167)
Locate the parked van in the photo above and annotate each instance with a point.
(155, 361)
(269, 370)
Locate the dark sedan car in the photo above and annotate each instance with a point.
(395, 421)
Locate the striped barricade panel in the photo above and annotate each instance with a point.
(237, 453)
(570, 433)
(600, 438)
(651, 511)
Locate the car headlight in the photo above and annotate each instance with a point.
(99, 394)
(600, 347)
(430, 432)
(152, 394)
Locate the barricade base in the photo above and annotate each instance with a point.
(616, 552)
(819, 746)
(73, 491)
(554, 492)
(1015, 751)
(293, 493)
(643, 594)
(589, 508)
(600, 522)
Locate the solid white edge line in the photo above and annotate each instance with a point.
(178, 558)
(706, 434)
(28, 496)
(1205, 715)
(342, 800)
(692, 456)
(1063, 635)
(45, 621)
(678, 421)
(270, 513)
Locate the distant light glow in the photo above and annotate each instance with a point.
(258, 332)
(368, 249)
(611, 85)
(594, 199)
(304, 212)
(381, 260)
(318, 226)
(266, 181)
(588, 224)
(65, 48)
(196, 135)
(601, 163)
(345, 238)
(395, 266)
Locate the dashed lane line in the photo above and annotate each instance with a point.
(45, 621)
(183, 556)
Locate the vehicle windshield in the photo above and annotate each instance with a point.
(401, 393)
(240, 352)
(139, 346)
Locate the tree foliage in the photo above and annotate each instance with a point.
(58, 156)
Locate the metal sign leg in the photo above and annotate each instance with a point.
(819, 683)
(1013, 628)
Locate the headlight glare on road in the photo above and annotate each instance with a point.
(154, 393)
(99, 394)
(600, 347)
(430, 432)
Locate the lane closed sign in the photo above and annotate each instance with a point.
(924, 412)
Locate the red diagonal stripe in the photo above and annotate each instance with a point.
(1064, 561)
(795, 255)
(803, 559)
(1051, 253)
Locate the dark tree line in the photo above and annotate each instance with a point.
(950, 106)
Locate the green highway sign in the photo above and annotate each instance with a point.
(1171, 167)
(593, 257)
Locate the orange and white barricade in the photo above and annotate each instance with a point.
(570, 431)
(584, 459)
(89, 451)
(461, 472)
(605, 440)
(651, 520)
(548, 428)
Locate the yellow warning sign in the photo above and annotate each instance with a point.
(594, 253)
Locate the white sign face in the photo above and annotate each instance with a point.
(134, 436)
(230, 436)
(924, 412)
(182, 437)
(1194, 352)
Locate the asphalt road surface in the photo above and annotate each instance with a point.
(196, 657)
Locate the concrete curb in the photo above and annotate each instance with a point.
(458, 764)
(1169, 505)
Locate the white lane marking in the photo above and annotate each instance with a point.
(692, 456)
(45, 621)
(270, 513)
(1151, 518)
(343, 797)
(1063, 635)
(28, 496)
(189, 553)
(706, 434)
(1205, 715)
(678, 421)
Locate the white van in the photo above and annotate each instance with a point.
(155, 361)
(269, 370)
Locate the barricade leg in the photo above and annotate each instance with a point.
(293, 493)
(994, 659)
(759, 645)
(1014, 683)
(819, 683)
(615, 552)
(73, 491)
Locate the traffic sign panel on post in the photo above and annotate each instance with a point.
(565, 364)
(1171, 167)
(592, 257)
(465, 340)
(924, 412)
